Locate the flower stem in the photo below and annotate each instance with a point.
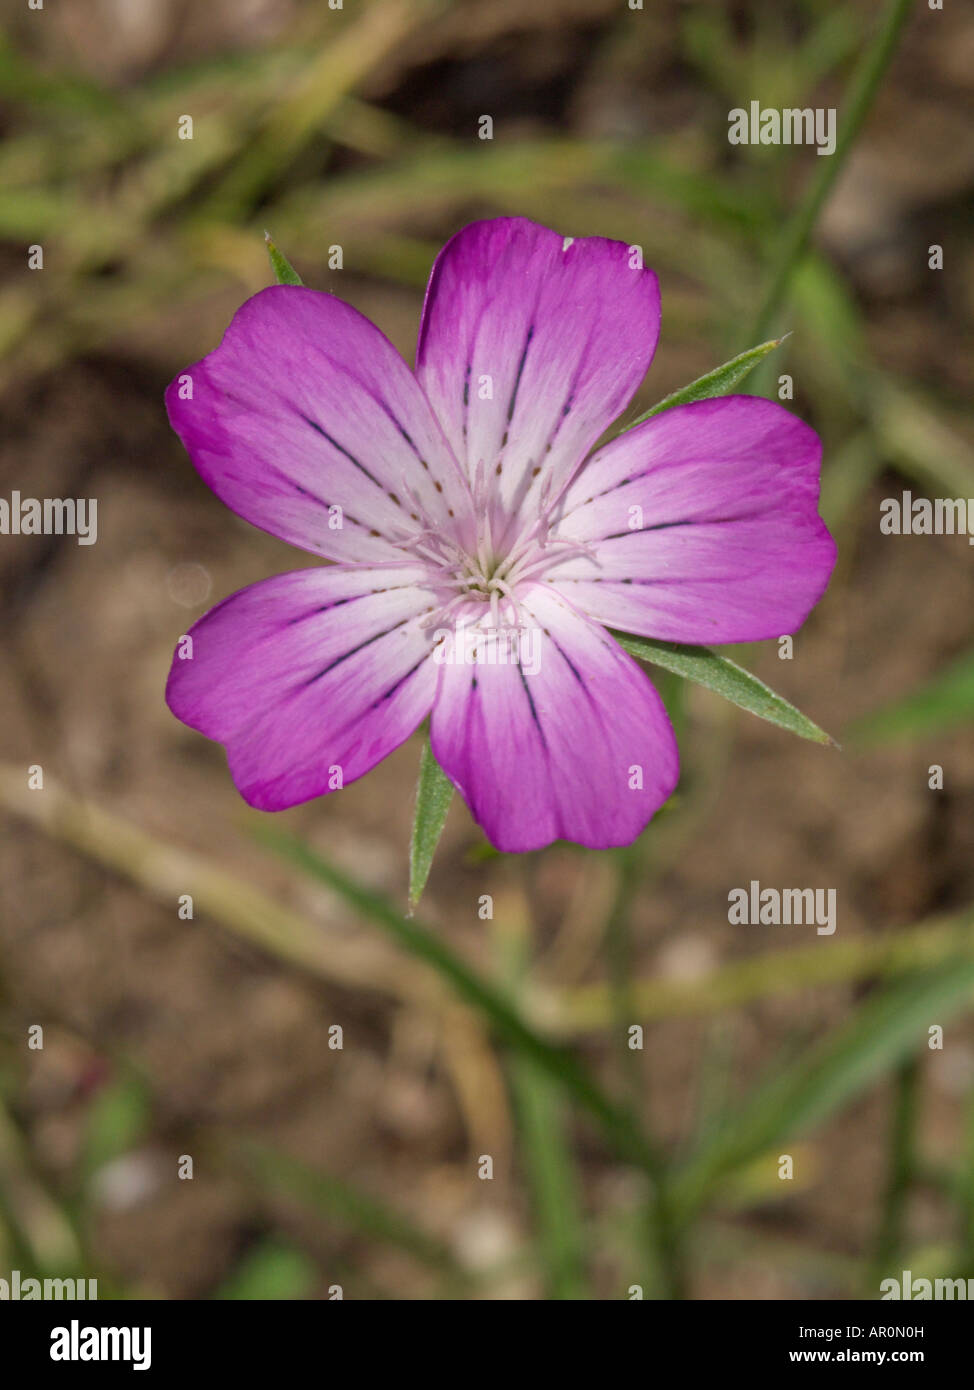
(859, 98)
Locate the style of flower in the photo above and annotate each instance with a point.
(461, 497)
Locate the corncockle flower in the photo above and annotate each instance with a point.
(457, 501)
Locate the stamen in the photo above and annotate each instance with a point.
(482, 577)
(481, 503)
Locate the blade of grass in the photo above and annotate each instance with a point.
(271, 1271)
(41, 1228)
(547, 1154)
(115, 1123)
(938, 706)
(962, 1191)
(617, 1125)
(663, 1238)
(858, 99)
(883, 1032)
(357, 47)
(275, 1172)
(588, 1008)
(900, 1171)
(552, 1179)
(725, 678)
(919, 437)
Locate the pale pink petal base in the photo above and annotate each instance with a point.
(582, 750)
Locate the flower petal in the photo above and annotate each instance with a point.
(550, 749)
(304, 407)
(559, 331)
(305, 672)
(728, 545)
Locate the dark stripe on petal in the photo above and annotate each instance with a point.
(361, 646)
(568, 661)
(352, 598)
(640, 530)
(520, 370)
(534, 712)
(322, 608)
(401, 681)
(341, 449)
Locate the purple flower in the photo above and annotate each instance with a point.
(478, 558)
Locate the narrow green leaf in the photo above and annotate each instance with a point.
(433, 796)
(942, 704)
(885, 1030)
(334, 1198)
(922, 442)
(272, 1271)
(281, 266)
(549, 1163)
(726, 678)
(116, 1122)
(552, 1179)
(716, 383)
(902, 1159)
(856, 103)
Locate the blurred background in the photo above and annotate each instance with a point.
(316, 1166)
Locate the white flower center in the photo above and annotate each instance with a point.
(483, 575)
